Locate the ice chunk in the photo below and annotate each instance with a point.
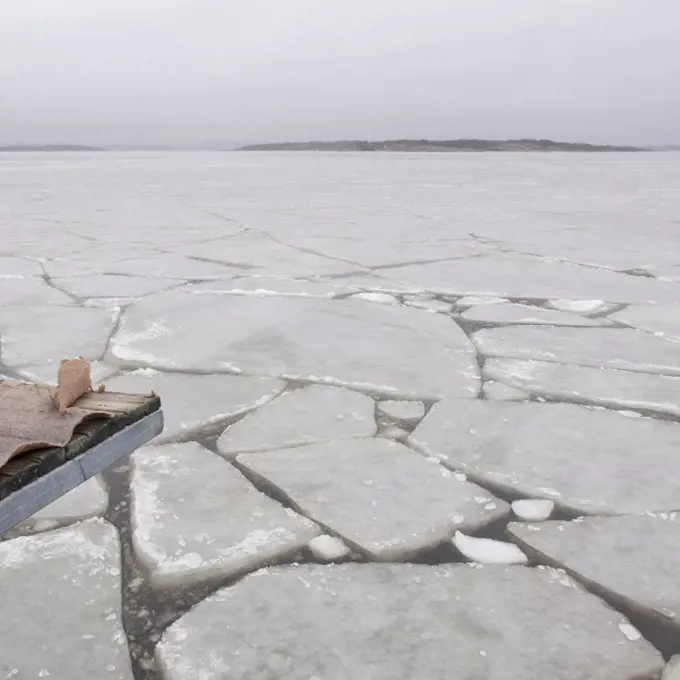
(672, 670)
(576, 306)
(630, 632)
(487, 550)
(472, 300)
(328, 548)
(533, 509)
(379, 298)
(409, 412)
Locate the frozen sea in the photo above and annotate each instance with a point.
(364, 359)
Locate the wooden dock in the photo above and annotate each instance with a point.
(120, 423)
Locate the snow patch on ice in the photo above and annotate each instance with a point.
(122, 349)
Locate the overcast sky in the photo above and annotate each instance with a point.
(200, 71)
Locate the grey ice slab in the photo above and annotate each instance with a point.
(171, 266)
(18, 267)
(386, 282)
(672, 670)
(634, 558)
(624, 389)
(108, 285)
(86, 500)
(84, 261)
(378, 495)
(29, 291)
(43, 334)
(399, 622)
(403, 247)
(498, 391)
(195, 517)
(475, 300)
(590, 461)
(261, 254)
(49, 373)
(61, 605)
(526, 315)
(663, 320)
(264, 286)
(409, 412)
(191, 401)
(304, 416)
(392, 349)
(530, 277)
(620, 348)
(431, 305)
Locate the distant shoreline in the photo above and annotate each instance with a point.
(427, 145)
(48, 147)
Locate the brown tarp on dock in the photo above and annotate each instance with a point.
(30, 419)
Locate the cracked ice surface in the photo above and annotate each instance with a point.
(196, 517)
(584, 459)
(402, 622)
(392, 349)
(260, 252)
(61, 608)
(378, 495)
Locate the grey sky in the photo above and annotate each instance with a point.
(194, 71)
